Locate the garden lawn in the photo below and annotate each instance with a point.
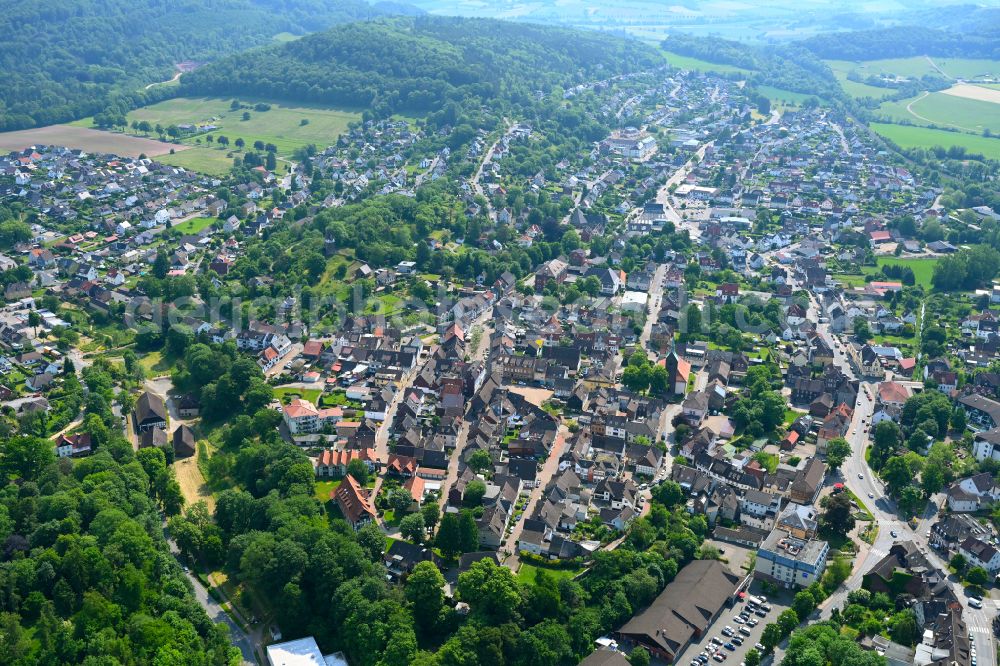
(194, 225)
(286, 393)
(923, 269)
(526, 574)
(324, 488)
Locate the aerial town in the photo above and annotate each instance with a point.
(730, 325)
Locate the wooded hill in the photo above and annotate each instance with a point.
(421, 63)
(66, 59)
(904, 42)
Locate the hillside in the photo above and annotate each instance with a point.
(907, 41)
(786, 67)
(417, 64)
(65, 59)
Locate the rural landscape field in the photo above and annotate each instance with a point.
(87, 139)
(287, 127)
(969, 108)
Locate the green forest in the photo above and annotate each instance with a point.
(66, 59)
(903, 42)
(420, 64)
(86, 576)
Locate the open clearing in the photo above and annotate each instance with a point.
(856, 89)
(908, 136)
(535, 396)
(787, 97)
(922, 267)
(287, 127)
(192, 483)
(90, 140)
(979, 93)
(282, 125)
(697, 65)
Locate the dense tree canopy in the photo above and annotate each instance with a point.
(71, 58)
(421, 64)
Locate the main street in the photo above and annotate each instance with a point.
(862, 481)
(653, 304)
(663, 194)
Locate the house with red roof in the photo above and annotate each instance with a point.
(834, 425)
(728, 292)
(73, 445)
(302, 416)
(332, 463)
(354, 503)
(881, 236)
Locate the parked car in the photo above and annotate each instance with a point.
(745, 631)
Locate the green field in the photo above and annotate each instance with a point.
(922, 269)
(841, 68)
(526, 574)
(918, 66)
(782, 96)
(286, 37)
(194, 225)
(212, 161)
(687, 62)
(937, 108)
(925, 137)
(285, 394)
(282, 126)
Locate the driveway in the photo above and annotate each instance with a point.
(218, 614)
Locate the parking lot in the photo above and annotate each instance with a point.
(727, 618)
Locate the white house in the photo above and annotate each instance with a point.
(980, 554)
(973, 493)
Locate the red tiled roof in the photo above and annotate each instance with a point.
(353, 501)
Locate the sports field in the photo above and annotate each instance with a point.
(907, 136)
(90, 140)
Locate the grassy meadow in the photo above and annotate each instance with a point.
(937, 108)
(288, 127)
(697, 65)
(907, 136)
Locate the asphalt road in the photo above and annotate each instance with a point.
(864, 483)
